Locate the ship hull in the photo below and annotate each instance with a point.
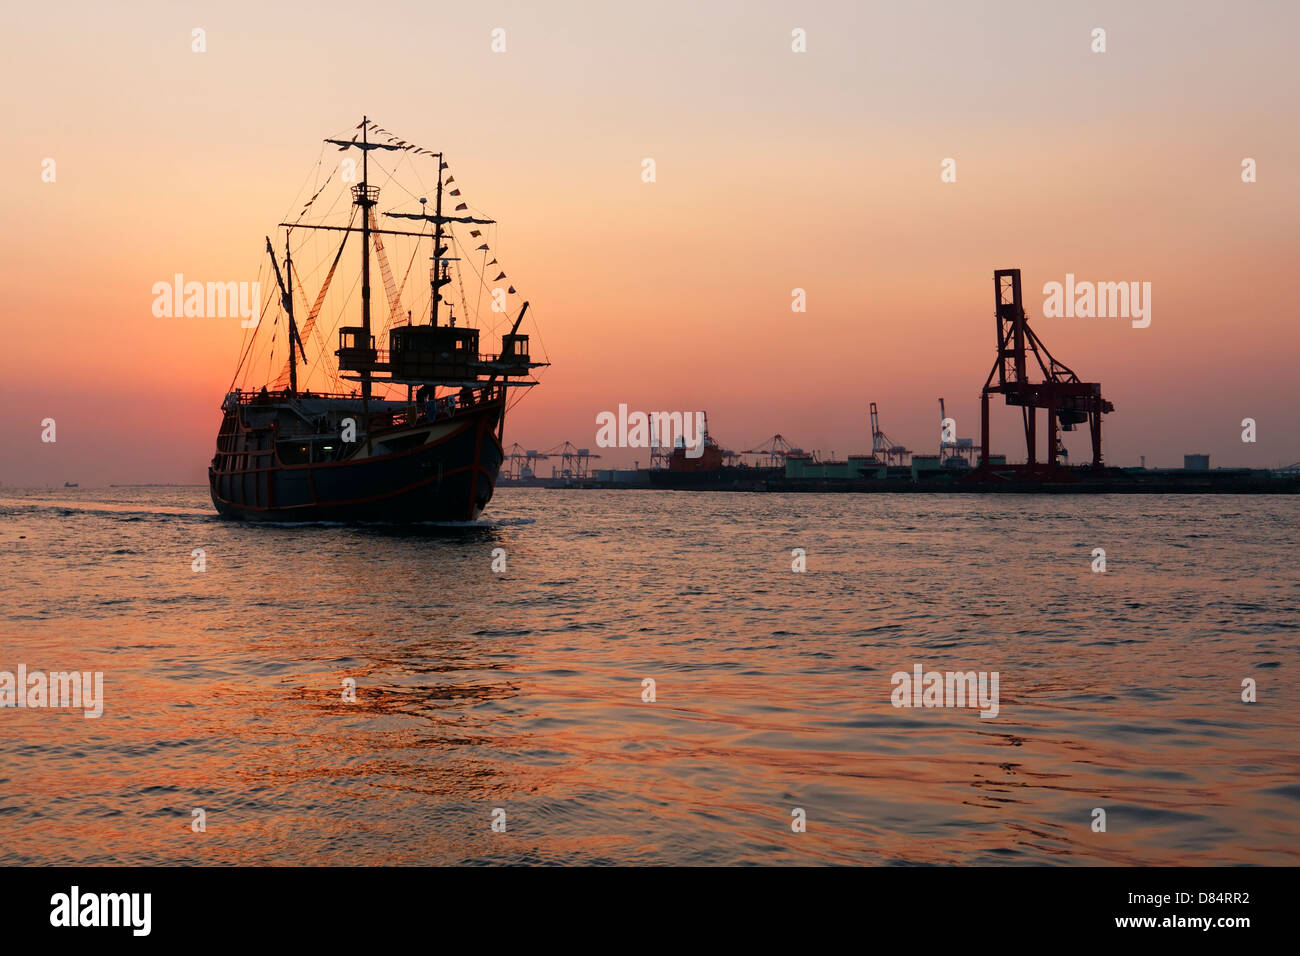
(449, 478)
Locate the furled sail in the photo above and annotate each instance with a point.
(428, 218)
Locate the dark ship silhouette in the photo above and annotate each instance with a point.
(433, 455)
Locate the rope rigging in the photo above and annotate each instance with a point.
(317, 206)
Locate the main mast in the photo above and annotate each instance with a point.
(293, 326)
(439, 279)
(365, 196)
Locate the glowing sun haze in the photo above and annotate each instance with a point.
(775, 170)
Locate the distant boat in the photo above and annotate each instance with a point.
(69, 484)
(430, 454)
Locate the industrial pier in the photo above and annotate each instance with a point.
(1024, 373)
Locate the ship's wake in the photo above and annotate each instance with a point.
(133, 512)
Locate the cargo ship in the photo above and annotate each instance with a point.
(709, 470)
(418, 438)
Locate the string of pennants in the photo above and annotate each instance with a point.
(307, 205)
(394, 142)
(477, 234)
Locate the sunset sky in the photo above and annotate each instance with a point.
(775, 170)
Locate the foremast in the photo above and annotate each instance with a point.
(286, 300)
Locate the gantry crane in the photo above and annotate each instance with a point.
(1069, 401)
(512, 466)
(961, 448)
(521, 463)
(883, 447)
(574, 462)
(773, 452)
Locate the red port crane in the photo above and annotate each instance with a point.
(1069, 401)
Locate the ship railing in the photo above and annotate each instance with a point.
(383, 360)
(251, 396)
(483, 358)
(382, 357)
(394, 420)
(480, 393)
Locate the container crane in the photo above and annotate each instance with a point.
(574, 462)
(521, 463)
(957, 452)
(1069, 401)
(773, 452)
(883, 447)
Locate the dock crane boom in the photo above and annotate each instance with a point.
(882, 446)
(1068, 400)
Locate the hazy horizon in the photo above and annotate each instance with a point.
(775, 171)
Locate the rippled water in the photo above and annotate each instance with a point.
(523, 690)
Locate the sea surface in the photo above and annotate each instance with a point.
(517, 696)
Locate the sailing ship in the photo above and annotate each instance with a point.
(418, 439)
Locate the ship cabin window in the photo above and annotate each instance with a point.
(463, 344)
(356, 350)
(439, 339)
(514, 348)
(355, 338)
(431, 351)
